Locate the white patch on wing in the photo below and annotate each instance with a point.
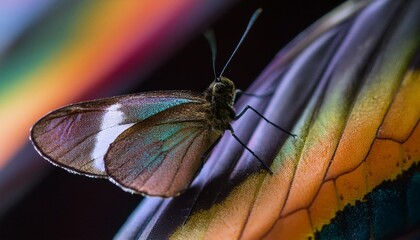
(111, 128)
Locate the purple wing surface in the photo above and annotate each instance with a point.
(345, 68)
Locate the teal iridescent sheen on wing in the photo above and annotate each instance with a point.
(155, 105)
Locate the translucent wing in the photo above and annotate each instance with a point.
(161, 155)
(77, 137)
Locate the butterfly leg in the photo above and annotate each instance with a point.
(249, 150)
(239, 93)
(268, 121)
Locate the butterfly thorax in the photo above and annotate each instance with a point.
(220, 95)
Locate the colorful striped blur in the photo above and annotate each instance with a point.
(70, 49)
(56, 52)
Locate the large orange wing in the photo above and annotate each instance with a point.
(349, 87)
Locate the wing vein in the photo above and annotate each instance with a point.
(182, 159)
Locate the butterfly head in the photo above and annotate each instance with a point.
(221, 91)
(220, 95)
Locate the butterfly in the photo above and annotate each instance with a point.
(149, 143)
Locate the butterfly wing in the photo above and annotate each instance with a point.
(161, 155)
(77, 137)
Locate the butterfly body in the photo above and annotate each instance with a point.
(220, 95)
(149, 143)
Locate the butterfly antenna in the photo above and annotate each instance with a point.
(209, 34)
(251, 22)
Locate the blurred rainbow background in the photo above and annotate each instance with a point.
(56, 52)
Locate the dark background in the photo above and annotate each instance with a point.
(67, 206)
